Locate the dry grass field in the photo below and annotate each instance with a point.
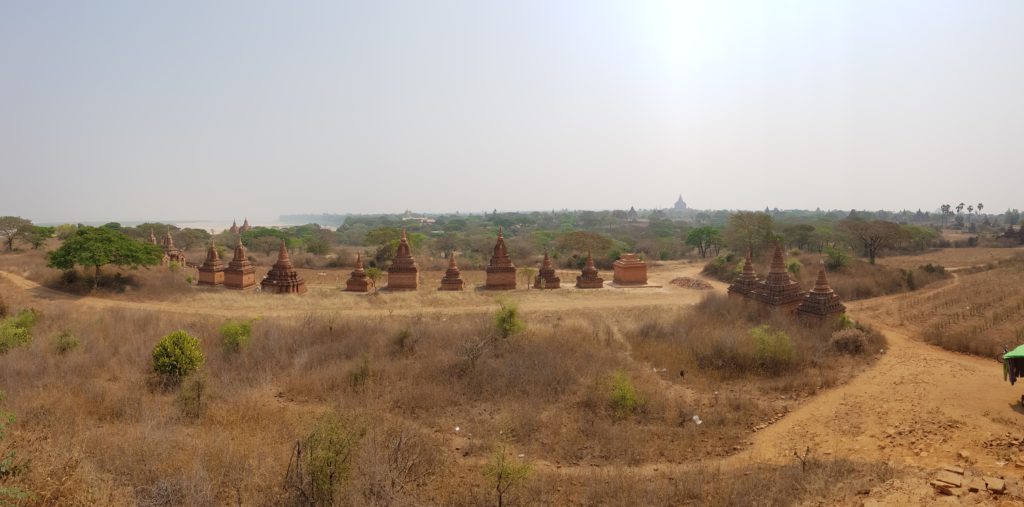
(418, 393)
(597, 395)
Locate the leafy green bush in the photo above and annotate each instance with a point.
(236, 335)
(177, 355)
(16, 330)
(836, 258)
(65, 341)
(624, 400)
(329, 451)
(507, 319)
(775, 350)
(794, 266)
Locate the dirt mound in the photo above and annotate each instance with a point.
(691, 283)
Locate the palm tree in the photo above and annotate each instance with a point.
(980, 207)
(945, 213)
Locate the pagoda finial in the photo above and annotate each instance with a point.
(778, 261)
(451, 260)
(403, 233)
(359, 260)
(821, 284)
(500, 235)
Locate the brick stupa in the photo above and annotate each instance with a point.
(358, 281)
(240, 273)
(403, 274)
(778, 289)
(589, 279)
(452, 278)
(234, 227)
(546, 278)
(501, 273)
(282, 277)
(821, 302)
(212, 270)
(746, 283)
(245, 226)
(629, 269)
(172, 253)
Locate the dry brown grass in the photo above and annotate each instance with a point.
(979, 315)
(98, 433)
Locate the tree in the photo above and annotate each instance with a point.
(98, 246)
(38, 235)
(945, 213)
(582, 241)
(12, 228)
(703, 238)
(749, 231)
(872, 236)
(505, 473)
(189, 237)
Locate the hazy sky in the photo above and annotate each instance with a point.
(190, 110)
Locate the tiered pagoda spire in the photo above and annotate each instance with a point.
(778, 289)
(240, 273)
(358, 281)
(282, 277)
(212, 270)
(746, 283)
(452, 278)
(821, 301)
(589, 279)
(546, 278)
(501, 273)
(404, 273)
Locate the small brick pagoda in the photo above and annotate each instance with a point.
(212, 270)
(501, 273)
(778, 289)
(546, 278)
(282, 277)
(240, 273)
(746, 283)
(358, 281)
(629, 269)
(234, 227)
(152, 238)
(452, 278)
(245, 226)
(403, 274)
(589, 279)
(821, 302)
(172, 253)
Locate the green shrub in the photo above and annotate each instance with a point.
(507, 319)
(794, 266)
(836, 258)
(774, 349)
(192, 397)
(65, 342)
(624, 400)
(16, 330)
(177, 355)
(235, 335)
(328, 455)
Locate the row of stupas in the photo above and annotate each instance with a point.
(241, 274)
(403, 274)
(778, 290)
